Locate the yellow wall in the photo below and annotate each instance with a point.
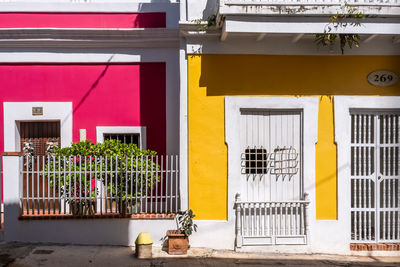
(211, 77)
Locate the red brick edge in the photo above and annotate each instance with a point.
(97, 216)
(375, 247)
(12, 154)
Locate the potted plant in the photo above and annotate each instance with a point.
(178, 240)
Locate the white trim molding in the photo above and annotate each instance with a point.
(342, 107)
(15, 112)
(141, 130)
(309, 108)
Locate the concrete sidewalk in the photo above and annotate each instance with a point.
(22, 254)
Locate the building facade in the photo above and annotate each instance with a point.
(82, 70)
(290, 148)
(283, 145)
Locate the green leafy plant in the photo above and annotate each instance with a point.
(351, 17)
(185, 222)
(202, 27)
(124, 170)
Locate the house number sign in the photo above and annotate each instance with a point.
(383, 78)
(37, 111)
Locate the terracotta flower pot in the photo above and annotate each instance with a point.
(83, 208)
(178, 242)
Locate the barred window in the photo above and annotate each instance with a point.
(124, 138)
(256, 161)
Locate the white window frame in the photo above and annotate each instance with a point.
(140, 130)
(309, 107)
(15, 112)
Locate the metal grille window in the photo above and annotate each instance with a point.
(256, 161)
(124, 138)
(375, 177)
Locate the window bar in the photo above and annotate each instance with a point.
(177, 193)
(27, 183)
(146, 179)
(48, 185)
(125, 206)
(84, 183)
(384, 180)
(33, 185)
(136, 183)
(116, 195)
(131, 186)
(64, 197)
(106, 185)
(364, 180)
(59, 184)
(95, 195)
(151, 185)
(369, 194)
(166, 184)
(79, 189)
(43, 183)
(88, 188)
(111, 185)
(37, 184)
(54, 183)
(161, 183)
(141, 181)
(157, 193)
(102, 189)
(74, 191)
(171, 183)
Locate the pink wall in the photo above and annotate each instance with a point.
(102, 95)
(83, 20)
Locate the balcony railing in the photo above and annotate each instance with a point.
(99, 186)
(308, 7)
(271, 222)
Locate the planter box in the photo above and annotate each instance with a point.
(178, 242)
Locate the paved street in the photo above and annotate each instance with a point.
(20, 254)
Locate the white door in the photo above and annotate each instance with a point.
(375, 177)
(271, 206)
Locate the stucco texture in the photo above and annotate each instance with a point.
(212, 77)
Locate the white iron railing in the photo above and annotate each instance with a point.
(82, 185)
(272, 222)
(308, 7)
(313, 2)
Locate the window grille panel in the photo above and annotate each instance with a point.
(124, 138)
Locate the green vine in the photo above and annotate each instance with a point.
(211, 21)
(352, 17)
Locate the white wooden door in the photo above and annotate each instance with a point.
(270, 207)
(271, 155)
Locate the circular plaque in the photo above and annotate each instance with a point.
(383, 78)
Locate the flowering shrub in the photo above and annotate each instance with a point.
(123, 169)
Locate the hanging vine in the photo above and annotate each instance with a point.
(351, 17)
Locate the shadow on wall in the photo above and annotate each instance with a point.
(293, 75)
(210, 9)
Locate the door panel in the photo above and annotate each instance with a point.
(35, 140)
(375, 180)
(271, 155)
